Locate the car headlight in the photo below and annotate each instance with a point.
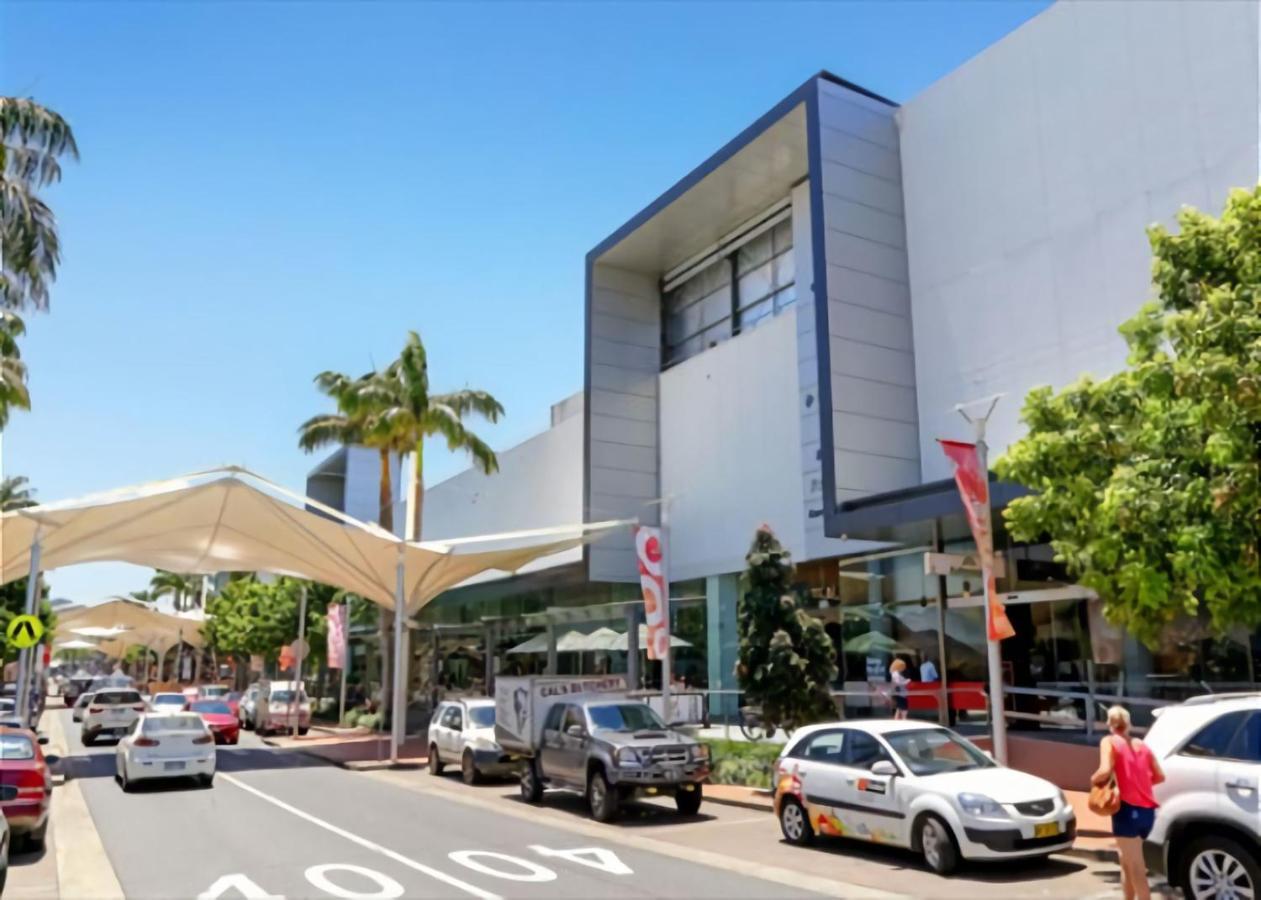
(483, 744)
(701, 752)
(981, 806)
(1062, 799)
(627, 756)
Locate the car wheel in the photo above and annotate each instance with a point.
(87, 741)
(207, 780)
(468, 771)
(4, 876)
(1216, 867)
(124, 781)
(35, 840)
(938, 845)
(531, 784)
(794, 823)
(601, 797)
(435, 761)
(688, 803)
(302, 731)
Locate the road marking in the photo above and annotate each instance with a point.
(533, 871)
(364, 842)
(592, 857)
(239, 883)
(389, 889)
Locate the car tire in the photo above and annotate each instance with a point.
(302, 731)
(36, 839)
(794, 823)
(1204, 857)
(4, 876)
(468, 768)
(207, 781)
(688, 803)
(435, 761)
(87, 741)
(937, 844)
(531, 783)
(602, 797)
(124, 781)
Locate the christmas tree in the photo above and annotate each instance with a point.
(787, 661)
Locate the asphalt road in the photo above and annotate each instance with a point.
(278, 824)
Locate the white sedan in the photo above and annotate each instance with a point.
(166, 745)
(919, 786)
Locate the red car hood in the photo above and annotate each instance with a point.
(218, 719)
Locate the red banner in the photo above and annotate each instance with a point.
(974, 488)
(652, 580)
(337, 636)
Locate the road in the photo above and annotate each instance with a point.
(282, 824)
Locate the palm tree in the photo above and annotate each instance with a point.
(183, 589)
(410, 413)
(13, 391)
(32, 139)
(16, 493)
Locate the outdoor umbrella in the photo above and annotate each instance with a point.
(569, 642)
(875, 642)
(621, 642)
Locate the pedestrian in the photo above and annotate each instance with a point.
(928, 671)
(1136, 770)
(897, 674)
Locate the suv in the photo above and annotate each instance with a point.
(1207, 835)
(111, 712)
(611, 751)
(278, 705)
(463, 731)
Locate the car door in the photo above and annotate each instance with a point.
(1207, 770)
(815, 763)
(452, 728)
(871, 801)
(551, 749)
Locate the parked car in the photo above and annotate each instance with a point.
(5, 840)
(26, 787)
(585, 735)
(218, 716)
(917, 786)
(166, 745)
(111, 713)
(168, 701)
(80, 706)
(212, 691)
(1207, 833)
(280, 705)
(233, 699)
(463, 732)
(247, 708)
(77, 684)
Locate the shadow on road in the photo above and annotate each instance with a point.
(84, 765)
(25, 857)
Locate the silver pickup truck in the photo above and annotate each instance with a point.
(613, 750)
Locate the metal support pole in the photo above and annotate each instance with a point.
(24, 656)
(398, 724)
(943, 711)
(489, 659)
(551, 648)
(632, 648)
(341, 698)
(667, 712)
(299, 659)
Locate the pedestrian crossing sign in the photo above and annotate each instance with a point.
(25, 631)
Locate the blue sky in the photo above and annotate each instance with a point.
(270, 190)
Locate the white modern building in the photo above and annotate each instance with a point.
(784, 333)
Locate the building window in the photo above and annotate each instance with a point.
(746, 282)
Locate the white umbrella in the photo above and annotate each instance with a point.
(623, 645)
(76, 645)
(569, 642)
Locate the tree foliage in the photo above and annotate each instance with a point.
(16, 492)
(184, 590)
(13, 603)
(1148, 483)
(787, 661)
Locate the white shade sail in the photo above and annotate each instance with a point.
(75, 645)
(229, 520)
(126, 623)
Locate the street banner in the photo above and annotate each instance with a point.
(652, 580)
(974, 489)
(288, 658)
(337, 636)
(256, 662)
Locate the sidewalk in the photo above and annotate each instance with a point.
(352, 748)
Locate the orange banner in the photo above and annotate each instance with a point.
(652, 580)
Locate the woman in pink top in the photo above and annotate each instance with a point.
(1136, 770)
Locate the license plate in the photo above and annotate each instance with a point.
(1050, 829)
(173, 766)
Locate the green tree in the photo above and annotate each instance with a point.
(1148, 483)
(184, 590)
(32, 141)
(13, 390)
(16, 493)
(787, 661)
(13, 603)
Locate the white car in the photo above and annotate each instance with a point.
(111, 713)
(463, 732)
(168, 701)
(280, 705)
(80, 705)
(919, 786)
(166, 745)
(1207, 834)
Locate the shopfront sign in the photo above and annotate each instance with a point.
(652, 579)
(337, 636)
(974, 489)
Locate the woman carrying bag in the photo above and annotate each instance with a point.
(1122, 785)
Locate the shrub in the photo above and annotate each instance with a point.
(740, 762)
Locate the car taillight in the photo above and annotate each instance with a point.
(96, 709)
(146, 742)
(138, 708)
(31, 784)
(204, 739)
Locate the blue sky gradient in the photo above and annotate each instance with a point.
(270, 190)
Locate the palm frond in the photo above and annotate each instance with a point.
(469, 401)
(332, 428)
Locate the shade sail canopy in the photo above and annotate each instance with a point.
(75, 645)
(126, 623)
(229, 519)
(875, 642)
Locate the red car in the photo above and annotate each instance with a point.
(219, 717)
(26, 785)
(233, 699)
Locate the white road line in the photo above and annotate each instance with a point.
(364, 842)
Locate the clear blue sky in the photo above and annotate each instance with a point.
(270, 190)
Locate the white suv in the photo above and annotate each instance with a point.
(1207, 835)
(463, 731)
(111, 712)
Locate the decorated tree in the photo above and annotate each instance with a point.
(1148, 483)
(787, 661)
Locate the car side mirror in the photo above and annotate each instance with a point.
(52, 759)
(43, 739)
(575, 731)
(884, 767)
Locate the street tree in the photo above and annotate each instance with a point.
(1148, 483)
(184, 590)
(14, 393)
(16, 493)
(787, 661)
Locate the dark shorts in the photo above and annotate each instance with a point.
(1133, 821)
(899, 701)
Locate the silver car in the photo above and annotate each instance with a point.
(463, 732)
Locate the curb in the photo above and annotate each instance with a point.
(742, 804)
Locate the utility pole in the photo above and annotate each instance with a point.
(993, 652)
(297, 665)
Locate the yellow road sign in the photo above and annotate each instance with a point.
(25, 631)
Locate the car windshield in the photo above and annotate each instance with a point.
(211, 706)
(213, 690)
(286, 697)
(104, 697)
(481, 716)
(168, 700)
(173, 724)
(624, 717)
(933, 751)
(15, 746)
